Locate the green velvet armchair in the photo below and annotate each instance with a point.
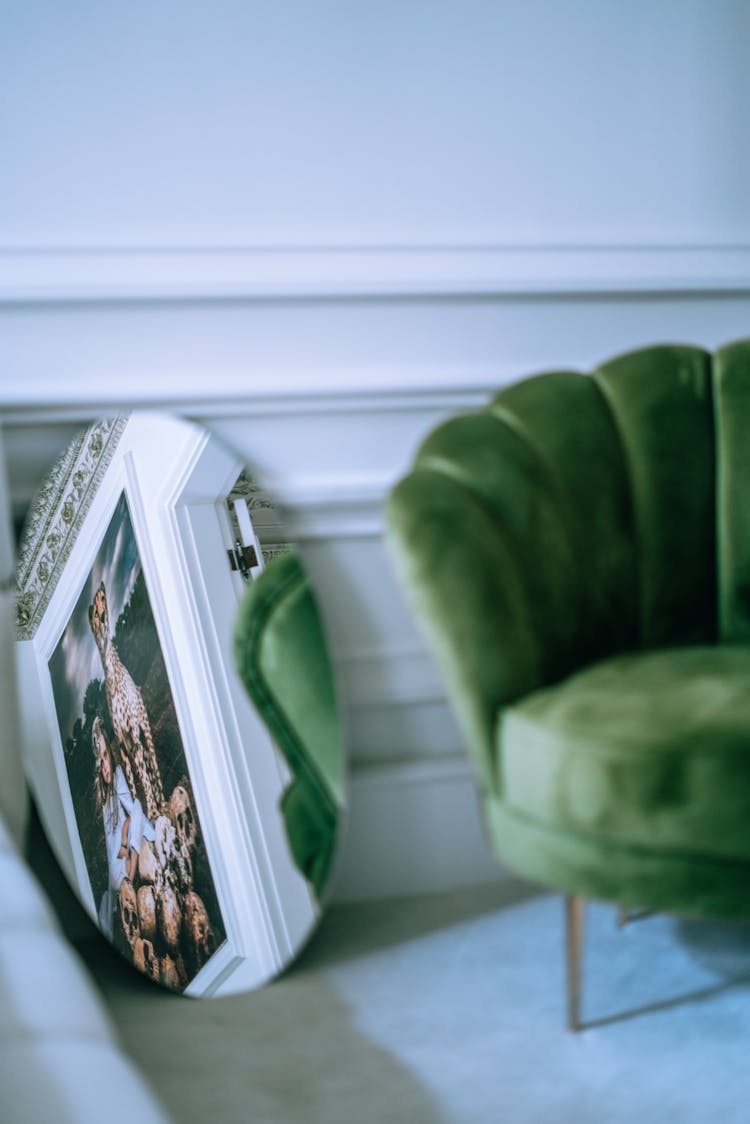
(578, 553)
(282, 657)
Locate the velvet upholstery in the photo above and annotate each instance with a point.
(578, 553)
(662, 405)
(733, 483)
(282, 657)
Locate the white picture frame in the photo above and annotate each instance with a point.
(165, 483)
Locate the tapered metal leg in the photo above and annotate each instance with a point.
(626, 914)
(574, 911)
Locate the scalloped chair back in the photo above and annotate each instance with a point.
(578, 554)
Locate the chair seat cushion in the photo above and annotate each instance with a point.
(646, 750)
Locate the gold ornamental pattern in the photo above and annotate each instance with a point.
(56, 516)
(267, 519)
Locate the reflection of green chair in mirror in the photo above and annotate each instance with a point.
(282, 657)
(579, 555)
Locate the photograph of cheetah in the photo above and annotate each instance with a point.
(132, 796)
(129, 718)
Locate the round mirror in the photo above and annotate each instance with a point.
(177, 705)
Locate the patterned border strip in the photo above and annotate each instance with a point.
(275, 550)
(55, 518)
(247, 488)
(267, 521)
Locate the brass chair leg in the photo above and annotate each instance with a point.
(574, 911)
(626, 914)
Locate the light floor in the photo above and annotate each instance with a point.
(450, 1008)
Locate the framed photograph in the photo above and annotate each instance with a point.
(158, 784)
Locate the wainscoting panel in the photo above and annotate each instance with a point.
(414, 827)
(400, 357)
(326, 382)
(319, 229)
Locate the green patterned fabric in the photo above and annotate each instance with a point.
(282, 657)
(578, 553)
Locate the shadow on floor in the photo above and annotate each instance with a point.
(652, 1008)
(721, 947)
(349, 931)
(658, 945)
(287, 1052)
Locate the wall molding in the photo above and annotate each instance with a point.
(398, 339)
(414, 827)
(121, 274)
(78, 403)
(313, 511)
(389, 675)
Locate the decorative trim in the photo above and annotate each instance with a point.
(56, 516)
(433, 770)
(223, 398)
(390, 777)
(268, 523)
(258, 273)
(389, 675)
(337, 516)
(435, 839)
(247, 488)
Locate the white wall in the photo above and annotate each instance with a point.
(321, 226)
(343, 122)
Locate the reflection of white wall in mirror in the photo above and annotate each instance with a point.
(175, 479)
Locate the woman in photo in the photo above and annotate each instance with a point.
(124, 821)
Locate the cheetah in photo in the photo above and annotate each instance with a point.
(128, 712)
